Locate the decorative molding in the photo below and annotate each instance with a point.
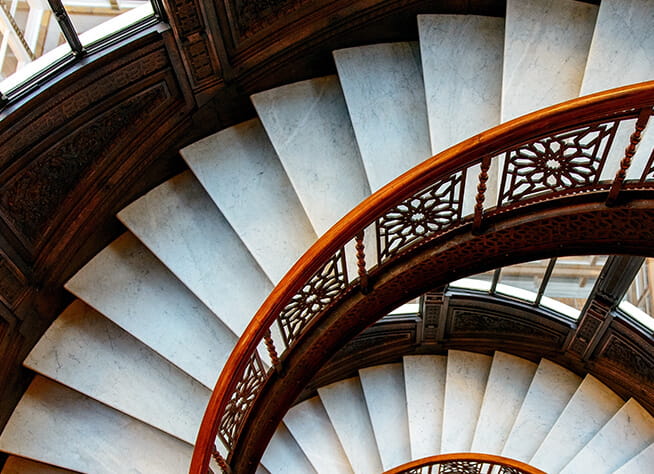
(13, 283)
(630, 358)
(253, 16)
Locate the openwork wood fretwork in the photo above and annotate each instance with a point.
(423, 215)
(314, 297)
(241, 400)
(565, 161)
(469, 463)
(559, 154)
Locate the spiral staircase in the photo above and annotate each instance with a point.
(126, 371)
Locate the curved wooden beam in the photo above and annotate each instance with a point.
(476, 458)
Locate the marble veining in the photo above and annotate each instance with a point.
(640, 463)
(309, 126)
(384, 92)
(173, 221)
(241, 172)
(284, 455)
(127, 284)
(545, 52)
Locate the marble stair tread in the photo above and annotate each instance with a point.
(383, 389)
(465, 383)
(424, 381)
(622, 46)
(621, 53)
(90, 354)
(309, 126)
(346, 407)
(385, 97)
(59, 426)
(508, 382)
(591, 406)
(128, 285)
(549, 393)
(182, 226)
(462, 70)
(310, 426)
(241, 172)
(18, 465)
(545, 52)
(640, 463)
(284, 456)
(631, 429)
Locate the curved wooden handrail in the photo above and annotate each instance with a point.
(486, 460)
(626, 102)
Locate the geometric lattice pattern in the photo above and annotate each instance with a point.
(423, 215)
(464, 467)
(568, 160)
(242, 397)
(319, 292)
(460, 467)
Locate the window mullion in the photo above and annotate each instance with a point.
(67, 27)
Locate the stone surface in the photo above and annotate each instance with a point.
(424, 381)
(384, 92)
(128, 285)
(508, 382)
(85, 351)
(625, 435)
(462, 70)
(241, 172)
(17, 465)
(309, 126)
(182, 226)
(465, 384)
(545, 52)
(310, 426)
(549, 392)
(283, 455)
(59, 426)
(347, 411)
(383, 388)
(592, 405)
(640, 463)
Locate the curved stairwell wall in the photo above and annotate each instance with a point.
(127, 370)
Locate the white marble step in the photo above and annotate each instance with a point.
(182, 226)
(58, 426)
(592, 405)
(624, 436)
(549, 393)
(385, 97)
(241, 172)
(348, 414)
(18, 465)
(383, 389)
(85, 351)
(310, 426)
(465, 384)
(462, 70)
(545, 52)
(507, 386)
(424, 381)
(621, 53)
(284, 456)
(640, 463)
(309, 126)
(128, 285)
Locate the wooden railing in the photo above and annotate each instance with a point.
(469, 463)
(561, 151)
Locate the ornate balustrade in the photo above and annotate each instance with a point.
(465, 463)
(558, 153)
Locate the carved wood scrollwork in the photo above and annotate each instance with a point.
(314, 297)
(426, 213)
(560, 162)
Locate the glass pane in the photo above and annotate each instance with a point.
(481, 282)
(97, 19)
(523, 280)
(410, 307)
(31, 40)
(572, 281)
(639, 299)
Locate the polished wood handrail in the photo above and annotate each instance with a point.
(478, 459)
(621, 103)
